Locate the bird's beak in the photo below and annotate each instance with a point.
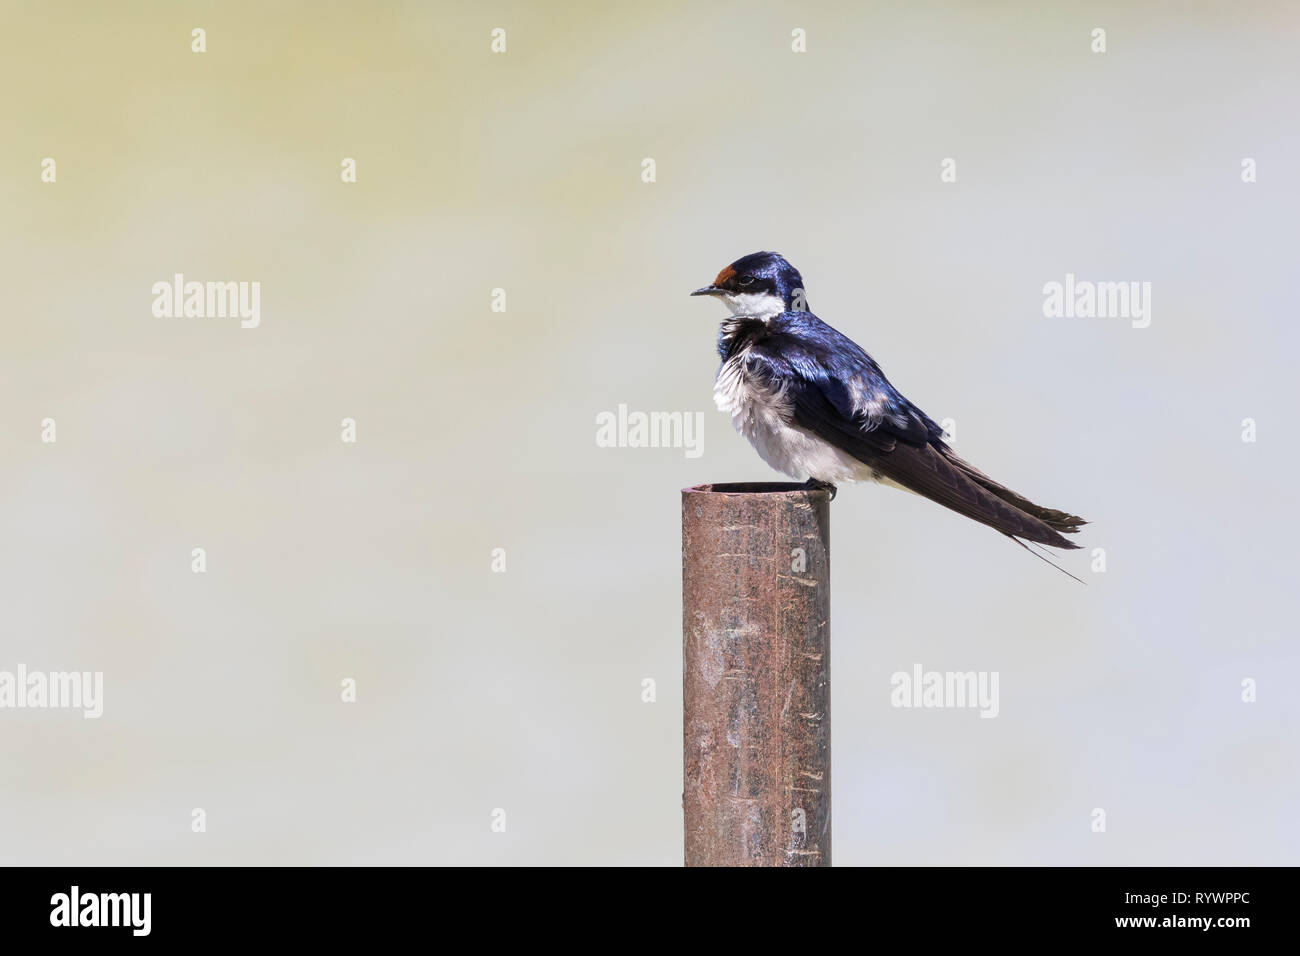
(709, 290)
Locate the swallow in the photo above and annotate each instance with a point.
(818, 408)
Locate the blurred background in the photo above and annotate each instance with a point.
(521, 689)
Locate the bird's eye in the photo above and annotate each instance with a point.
(745, 280)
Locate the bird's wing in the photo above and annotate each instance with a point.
(837, 392)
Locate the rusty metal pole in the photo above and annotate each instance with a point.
(756, 675)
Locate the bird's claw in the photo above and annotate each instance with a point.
(813, 484)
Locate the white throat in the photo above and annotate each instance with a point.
(759, 305)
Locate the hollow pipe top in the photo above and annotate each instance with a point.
(756, 488)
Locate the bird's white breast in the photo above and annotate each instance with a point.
(765, 416)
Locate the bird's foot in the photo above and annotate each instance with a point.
(814, 484)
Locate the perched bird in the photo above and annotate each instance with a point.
(817, 407)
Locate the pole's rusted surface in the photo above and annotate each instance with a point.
(756, 675)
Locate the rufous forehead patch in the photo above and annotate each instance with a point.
(724, 275)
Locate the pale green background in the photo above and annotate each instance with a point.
(476, 430)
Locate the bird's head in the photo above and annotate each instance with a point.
(761, 284)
